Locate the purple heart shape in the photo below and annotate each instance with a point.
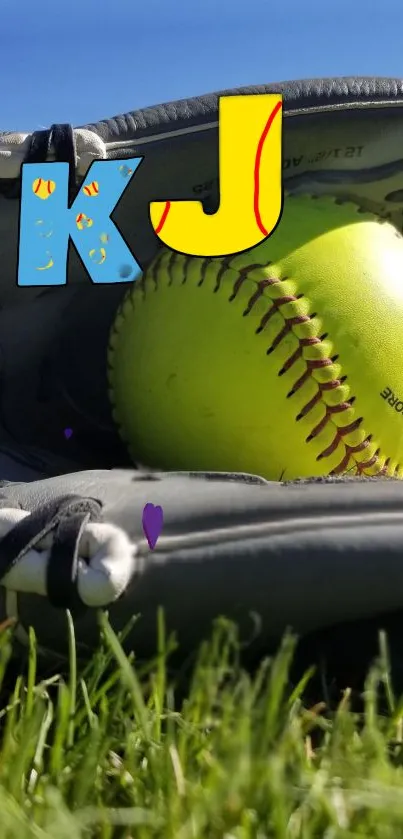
(68, 432)
(153, 521)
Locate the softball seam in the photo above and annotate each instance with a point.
(374, 463)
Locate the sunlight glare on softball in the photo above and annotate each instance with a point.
(284, 361)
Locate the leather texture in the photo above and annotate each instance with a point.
(53, 377)
(306, 555)
(299, 95)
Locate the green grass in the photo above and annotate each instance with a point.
(111, 749)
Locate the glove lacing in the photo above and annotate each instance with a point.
(65, 552)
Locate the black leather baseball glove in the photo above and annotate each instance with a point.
(310, 555)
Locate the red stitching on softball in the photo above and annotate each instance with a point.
(245, 273)
(311, 365)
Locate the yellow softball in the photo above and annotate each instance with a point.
(91, 190)
(83, 221)
(43, 188)
(285, 361)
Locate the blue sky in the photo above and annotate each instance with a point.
(97, 59)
